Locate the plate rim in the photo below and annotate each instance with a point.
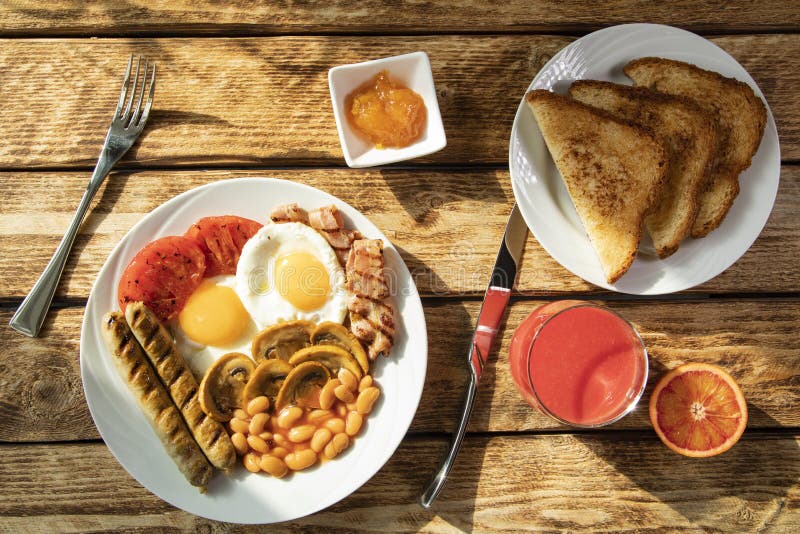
(412, 296)
(770, 130)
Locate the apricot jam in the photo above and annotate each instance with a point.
(386, 112)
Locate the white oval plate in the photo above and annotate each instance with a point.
(546, 205)
(244, 497)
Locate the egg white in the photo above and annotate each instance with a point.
(199, 356)
(255, 275)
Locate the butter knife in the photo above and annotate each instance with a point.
(494, 304)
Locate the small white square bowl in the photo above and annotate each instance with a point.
(412, 70)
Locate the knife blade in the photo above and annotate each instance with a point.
(494, 304)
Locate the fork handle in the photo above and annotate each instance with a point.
(30, 315)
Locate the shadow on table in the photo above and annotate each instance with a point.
(389, 502)
(425, 200)
(759, 471)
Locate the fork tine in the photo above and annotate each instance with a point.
(124, 90)
(149, 102)
(135, 82)
(135, 114)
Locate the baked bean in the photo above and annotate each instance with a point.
(339, 443)
(320, 438)
(348, 379)
(258, 405)
(297, 461)
(318, 416)
(352, 425)
(266, 436)
(327, 396)
(274, 466)
(257, 423)
(341, 409)
(344, 394)
(365, 383)
(335, 425)
(238, 413)
(289, 416)
(301, 433)
(252, 462)
(257, 444)
(240, 425)
(281, 440)
(366, 400)
(240, 443)
(279, 452)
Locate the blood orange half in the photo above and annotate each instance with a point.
(698, 410)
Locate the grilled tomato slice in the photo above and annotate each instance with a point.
(162, 275)
(221, 239)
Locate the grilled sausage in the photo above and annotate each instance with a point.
(154, 400)
(174, 372)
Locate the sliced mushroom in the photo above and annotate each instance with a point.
(302, 386)
(222, 386)
(331, 356)
(282, 340)
(330, 333)
(267, 379)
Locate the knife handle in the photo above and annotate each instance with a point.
(494, 304)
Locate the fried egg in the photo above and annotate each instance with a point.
(289, 271)
(212, 323)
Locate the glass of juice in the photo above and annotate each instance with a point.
(582, 364)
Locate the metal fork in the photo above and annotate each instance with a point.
(123, 132)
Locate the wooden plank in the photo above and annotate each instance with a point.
(249, 101)
(553, 483)
(446, 225)
(27, 17)
(755, 340)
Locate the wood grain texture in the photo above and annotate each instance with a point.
(555, 483)
(250, 102)
(242, 85)
(755, 340)
(112, 18)
(446, 225)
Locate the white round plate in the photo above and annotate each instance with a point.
(244, 497)
(546, 205)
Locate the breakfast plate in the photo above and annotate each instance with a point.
(244, 497)
(548, 209)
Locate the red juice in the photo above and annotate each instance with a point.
(580, 363)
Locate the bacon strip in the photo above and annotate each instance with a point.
(288, 213)
(368, 257)
(366, 285)
(365, 269)
(371, 319)
(381, 345)
(377, 313)
(378, 343)
(327, 220)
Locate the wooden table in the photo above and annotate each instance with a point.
(242, 91)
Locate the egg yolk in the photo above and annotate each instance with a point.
(302, 280)
(213, 315)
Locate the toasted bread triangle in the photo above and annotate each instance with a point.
(686, 132)
(613, 171)
(741, 118)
